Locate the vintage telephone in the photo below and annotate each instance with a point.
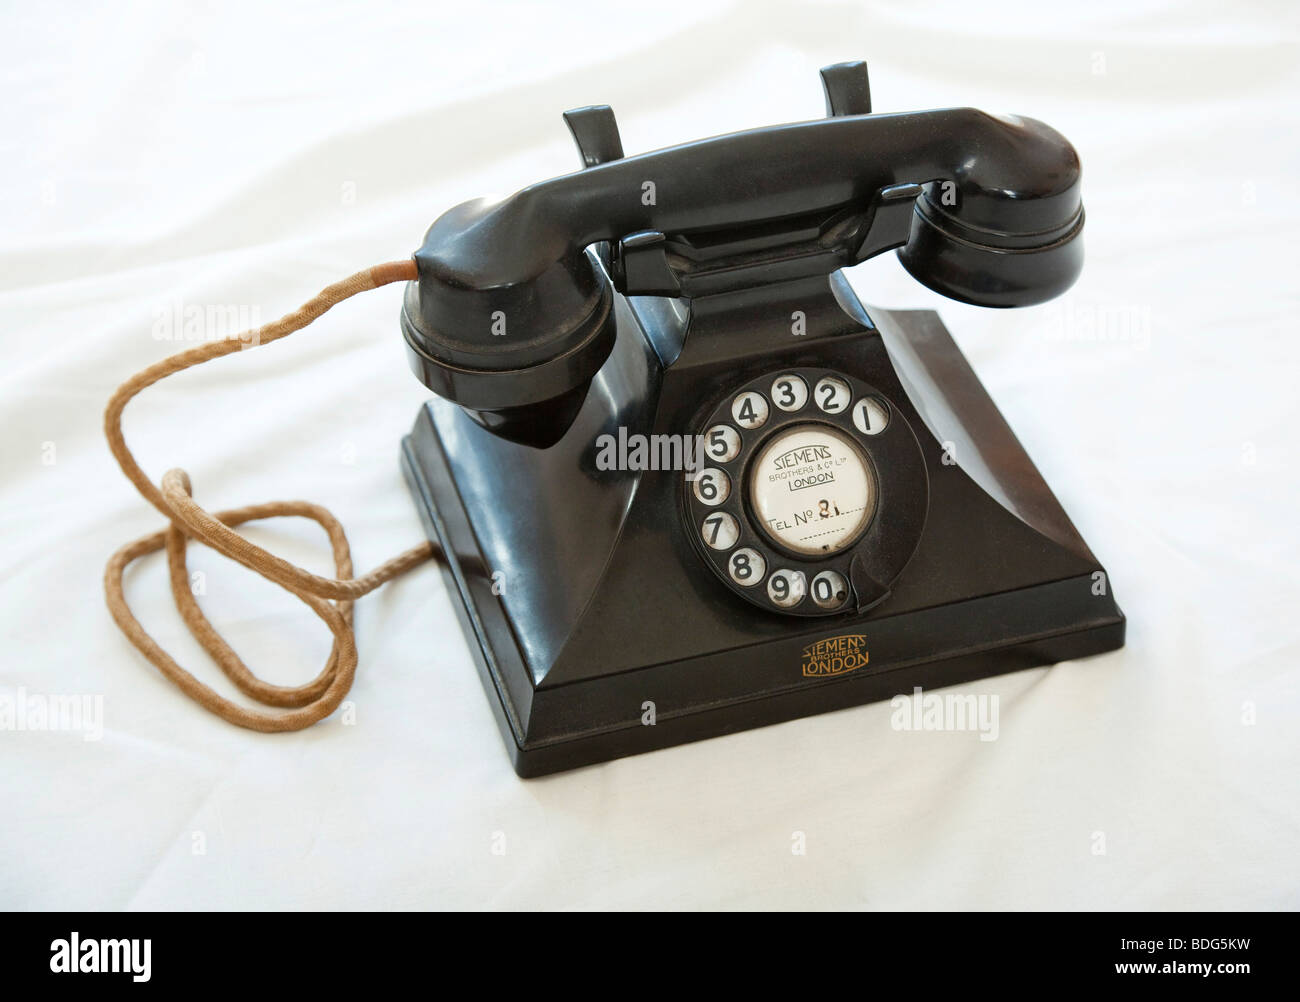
(685, 484)
(866, 521)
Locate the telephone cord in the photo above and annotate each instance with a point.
(329, 598)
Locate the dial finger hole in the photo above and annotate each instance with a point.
(832, 394)
(786, 588)
(712, 487)
(789, 392)
(722, 443)
(720, 530)
(749, 410)
(870, 416)
(746, 567)
(830, 590)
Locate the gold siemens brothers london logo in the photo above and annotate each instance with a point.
(835, 656)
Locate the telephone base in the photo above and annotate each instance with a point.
(576, 667)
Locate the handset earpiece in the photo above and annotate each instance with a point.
(1005, 229)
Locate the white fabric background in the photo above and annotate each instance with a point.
(160, 155)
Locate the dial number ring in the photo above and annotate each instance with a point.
(848, 447)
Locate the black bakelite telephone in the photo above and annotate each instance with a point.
(687, 484)
(680, 480)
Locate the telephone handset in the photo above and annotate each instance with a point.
(983, 209)
(681, 482)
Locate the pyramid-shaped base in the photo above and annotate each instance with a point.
(589, 615)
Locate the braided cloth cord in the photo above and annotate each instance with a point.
(329, 598)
